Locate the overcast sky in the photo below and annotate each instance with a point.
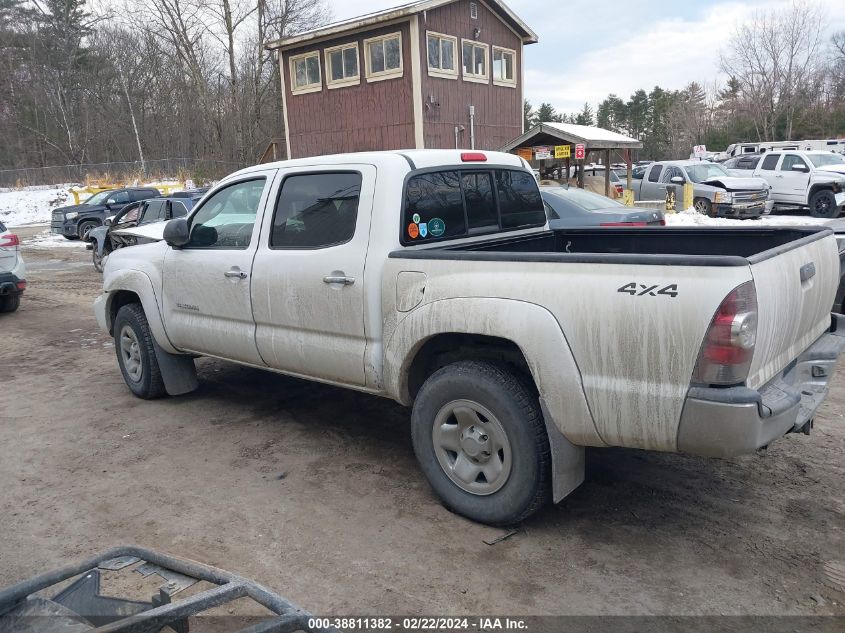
(588, 49)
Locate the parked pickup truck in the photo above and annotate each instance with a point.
(430, 277)
(811, 180)
(715, 192)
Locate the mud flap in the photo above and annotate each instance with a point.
(567, 459)
(177, 371)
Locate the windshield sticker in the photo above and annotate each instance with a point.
(423, 229)
(416, 218)
(436, 227)
(413, 230)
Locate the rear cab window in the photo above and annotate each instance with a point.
(453, 203)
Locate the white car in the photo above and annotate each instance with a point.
(12, 271)
(431, 277)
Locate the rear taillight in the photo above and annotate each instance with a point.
(9, 240)
(473, 157)
(619, 189)
(624, 224)
(21, 285)
(662, 222)
(728, 347)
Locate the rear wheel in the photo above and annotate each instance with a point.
(133, 343)
(481, 442)
(10, 303)
(823, 205)
(703, 206)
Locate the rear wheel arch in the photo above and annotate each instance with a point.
(536, 348)
(446, 348)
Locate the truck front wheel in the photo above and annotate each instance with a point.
(133, 342)
(84, 227)
(704, 206)
(479, 436)
(823, 204)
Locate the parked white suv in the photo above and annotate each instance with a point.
(813, 180)
(12, 271)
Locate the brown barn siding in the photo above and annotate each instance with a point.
(369, 116)
(498, 109)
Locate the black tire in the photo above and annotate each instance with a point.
(147, 383)
(823, 205)
(704, 206)
(512, 401)
(10, 303)
(83, 228)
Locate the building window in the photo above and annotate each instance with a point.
(504, 66)
(342, 66)
(383, 56)
(305, 73)
(473, 10)
(474, 58)
(441, 55)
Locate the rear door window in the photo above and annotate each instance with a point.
(316, 210)
(654, 174)
(154, 212)
(770, 162)
(455, 203)
(178, 209)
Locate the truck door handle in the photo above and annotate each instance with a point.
(339, 279)
(239, 274)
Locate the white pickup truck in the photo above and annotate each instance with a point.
(811, 180)
(430, 277)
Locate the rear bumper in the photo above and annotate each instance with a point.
(11, 285)
(725, 422)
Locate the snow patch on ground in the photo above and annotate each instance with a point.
(691, 217)
(32, 205)
(45, 239)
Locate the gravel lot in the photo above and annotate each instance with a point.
(314, 492)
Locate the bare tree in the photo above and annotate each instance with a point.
(774, 58)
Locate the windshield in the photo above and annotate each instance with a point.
(98, 198)
(585, 199)
(821, 160)
(705, 171)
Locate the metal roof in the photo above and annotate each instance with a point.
(403, 11)
(570, 133)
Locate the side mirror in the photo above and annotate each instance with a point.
(108, 221)
(800, 167)
(677, 180)
(177, 232)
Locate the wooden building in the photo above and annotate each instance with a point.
(430, 74)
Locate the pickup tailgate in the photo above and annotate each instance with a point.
(796, 286)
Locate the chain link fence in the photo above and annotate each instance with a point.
(198, 170)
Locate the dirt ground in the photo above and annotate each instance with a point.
(314, 492)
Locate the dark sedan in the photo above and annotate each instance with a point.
(570, 206)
